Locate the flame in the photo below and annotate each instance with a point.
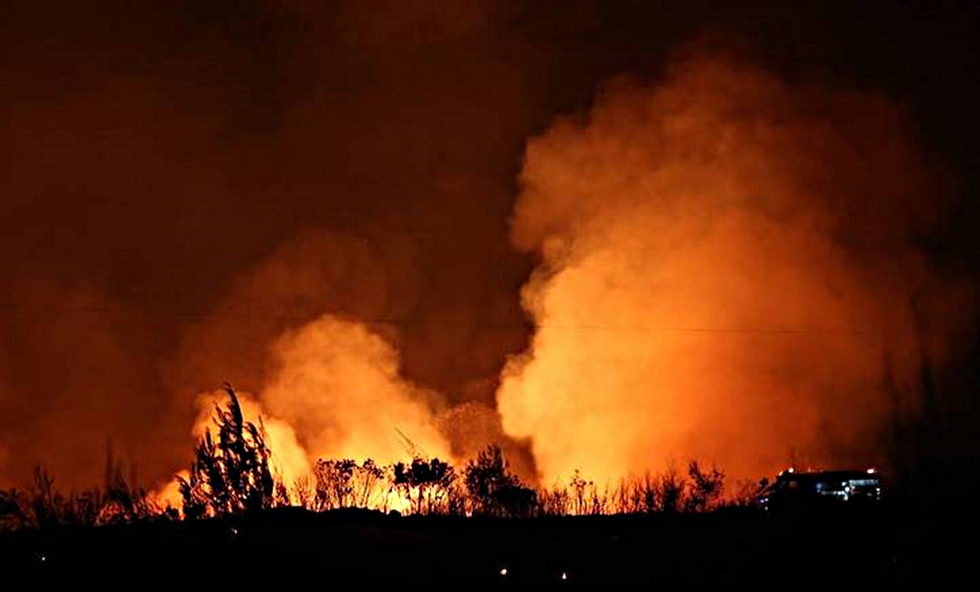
(169, 496)
(337, 394)
(727, 264)
(288, 460)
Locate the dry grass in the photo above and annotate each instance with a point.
(231, 475)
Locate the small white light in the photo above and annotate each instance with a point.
(503, 571)
(43, 557)
(564, 576)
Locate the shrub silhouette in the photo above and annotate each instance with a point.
(493, 490)
(123, 501)
(636, 496)
(433, 482)
(42, 506)
(554, 501)
(670, 491)
(705, 488)
(345, 484)
(230, 475)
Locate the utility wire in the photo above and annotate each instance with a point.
(253, 315)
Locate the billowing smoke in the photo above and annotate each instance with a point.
(193, 182)
(728, 262)
(334, 391)
(339, 386)
(186, 185)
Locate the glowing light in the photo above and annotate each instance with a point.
(503, 571)
(654, 214)
(872, 471)
(564, 576)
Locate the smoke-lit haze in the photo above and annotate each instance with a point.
(335, 392)
(325, 204)
(339, 385)
(728, 263)
(184, 184)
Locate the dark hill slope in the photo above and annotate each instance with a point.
(366, 550)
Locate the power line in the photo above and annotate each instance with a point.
(253, 315)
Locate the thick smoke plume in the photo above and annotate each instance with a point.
(334, 392)
(183, 184)
(339, 387)
(728, 263)
(187, 190)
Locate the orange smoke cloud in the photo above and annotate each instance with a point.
(338, 385)
(334, 392)
(727, 263)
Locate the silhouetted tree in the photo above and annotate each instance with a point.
(124, 501)
(12, 512)
(334, 487)
(670, 491)
(43, 507)
(643, 495)
(344, 483)
(231, 474)
(494, 490)
(432, 481)
(705, 489)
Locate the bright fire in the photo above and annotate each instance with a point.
(337, 394)
(727, 273)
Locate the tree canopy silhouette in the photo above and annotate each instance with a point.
(494, 490)
(229, 475)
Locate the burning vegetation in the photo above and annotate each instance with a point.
(489, 262)
(234, 473)
(730, 271)
(721, 264)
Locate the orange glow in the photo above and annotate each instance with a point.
(288, 459)
(169, 495)
(337, 394)
(339, 386)
(726, 271)
(725, 278)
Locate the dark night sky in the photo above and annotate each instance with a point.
(158, 157)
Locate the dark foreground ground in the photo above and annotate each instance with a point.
(364, 550)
